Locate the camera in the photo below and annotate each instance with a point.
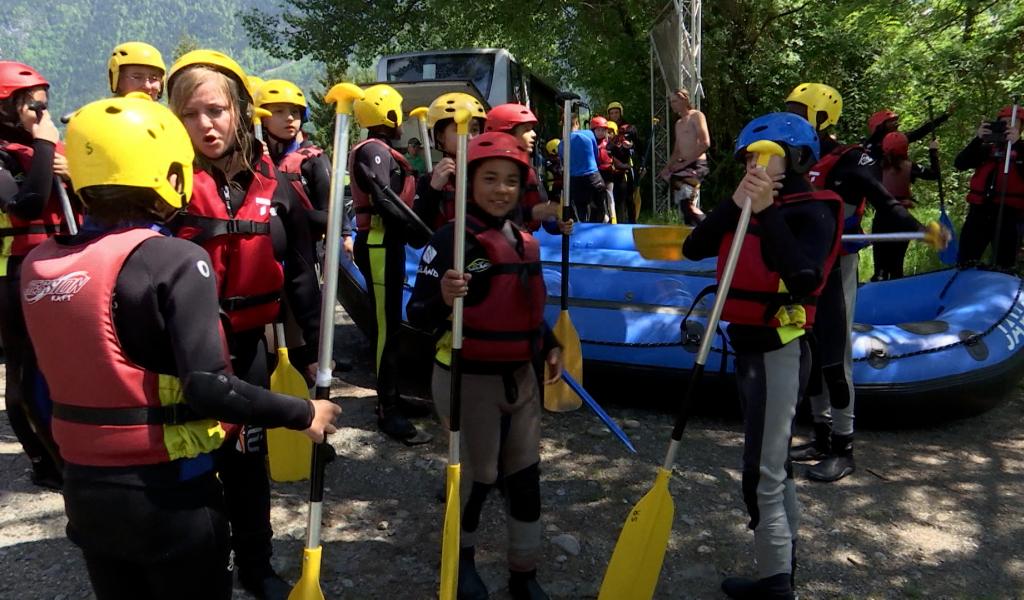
(997, 132)
(38, 106)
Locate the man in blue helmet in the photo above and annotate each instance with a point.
(791, 242)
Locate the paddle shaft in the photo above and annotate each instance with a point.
(600, 412)
(328, 292)
(566, 183)
(65, 206)
(1006, 182)
(459, 263)
(938, 172)
(428, 160)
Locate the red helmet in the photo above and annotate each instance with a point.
(1006, 111)
(896, 144)
(494, 144)
(598, 121)
(506, 117)
(16, 76)
(875, 120)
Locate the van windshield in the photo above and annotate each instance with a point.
(478, 68)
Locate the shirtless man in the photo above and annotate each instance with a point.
(688, 165)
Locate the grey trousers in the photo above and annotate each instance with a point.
(770, 385)
(833, 326)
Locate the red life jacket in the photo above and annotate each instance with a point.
(758, 295)
(987, 183)
(362, 203)
(290, 166)
(896, 179)
(249, 276)
(604, 160)
(21, 235)
(108, 411)
(506, 325)
(853, 214)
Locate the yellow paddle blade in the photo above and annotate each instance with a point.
(636, 562)
(452, 530)
(560, 397)
(290, 452)
(661, 242)
(308, 586)
(636, 201)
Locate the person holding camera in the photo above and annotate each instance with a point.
(990, 188)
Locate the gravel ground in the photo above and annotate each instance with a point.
(930, 513)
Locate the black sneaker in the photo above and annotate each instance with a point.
(396, 425)
(414, 408)
(264, 584)
(776, 587)
(817, 449)
(524, 586)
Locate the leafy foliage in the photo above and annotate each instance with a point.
(70, 42)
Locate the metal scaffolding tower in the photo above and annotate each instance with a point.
(675, 42)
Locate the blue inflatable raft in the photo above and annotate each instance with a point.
(939, 345)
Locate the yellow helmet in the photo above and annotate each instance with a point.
(279, 91)
(617, 105)
(381, 105)
(444, 107)
(132, 53)
(552, 146)
(219, 61)
(132, 142)
(818, 97)
(613, 128)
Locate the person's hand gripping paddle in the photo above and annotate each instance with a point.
(558, 397)
(636, 562)
(420, 114)
(342, 95)
(453, 505)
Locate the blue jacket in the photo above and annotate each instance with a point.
(583, 155)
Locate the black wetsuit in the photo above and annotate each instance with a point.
(889, 256)
(151, 527)
(25, 196)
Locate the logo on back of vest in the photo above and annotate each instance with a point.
(61, 289)
(264, 204)
(478, 265)
(429, 254)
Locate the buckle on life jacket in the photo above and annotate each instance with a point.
(237, 226)
(239, 302)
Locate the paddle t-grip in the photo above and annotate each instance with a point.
(420, 114)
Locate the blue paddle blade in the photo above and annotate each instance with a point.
(594, 406)
(948, 255)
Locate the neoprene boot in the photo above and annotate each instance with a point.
(522, 585)
(264, 583)
(776, 587)
(838, 464)
(391, 420)
(817, 448)
(46, 475)
(471, 586)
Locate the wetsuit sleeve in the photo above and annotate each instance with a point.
(169, 284)
(706, 237)
(861, 176)
(317, 173)
(798, 245)
(972, 157)
(427, 204)
(426, 309)
(300, 281)
(921, 132)
(34, 191)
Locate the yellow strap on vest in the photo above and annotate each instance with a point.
(191, 439)
(789, 333)
(792, 314)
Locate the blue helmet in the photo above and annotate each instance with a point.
(790, 131)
